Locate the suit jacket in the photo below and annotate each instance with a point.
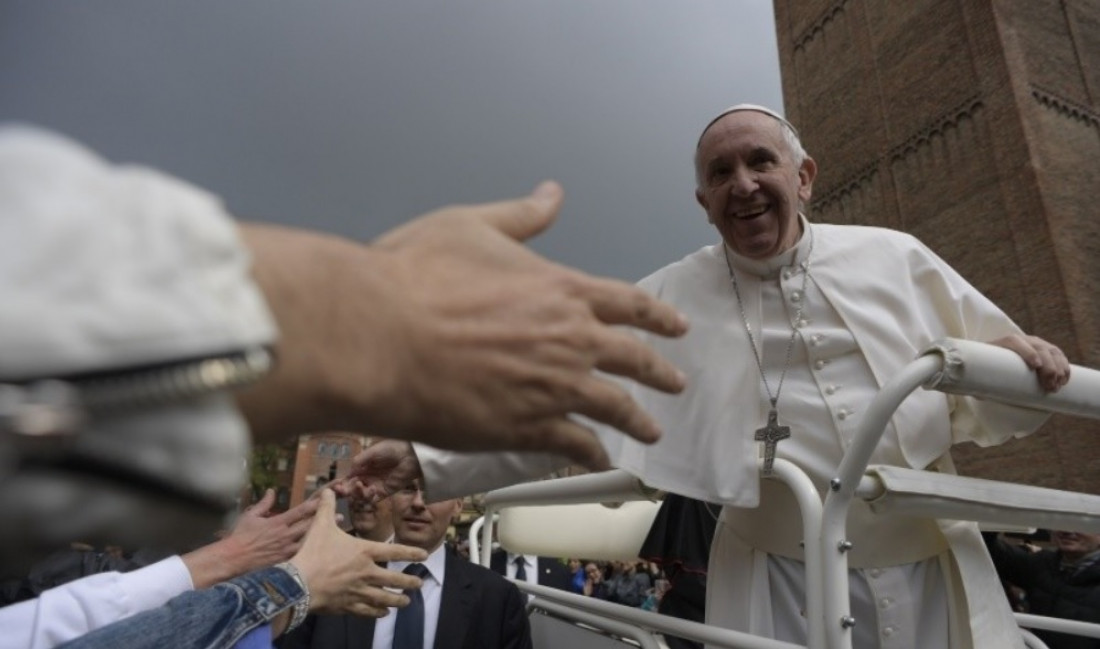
(478, 610)
(552, 572)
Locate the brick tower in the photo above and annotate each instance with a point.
(975, 126)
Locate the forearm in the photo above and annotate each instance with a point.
(303, 276)
(69, 611)
(448, 474)
(219, 561)
(214, 617)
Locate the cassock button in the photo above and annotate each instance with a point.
(842, 415)
(821, 363)
(888, 631)
(787, 274)
(830, 389)
(796, 296)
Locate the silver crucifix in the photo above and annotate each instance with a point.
(771, 435)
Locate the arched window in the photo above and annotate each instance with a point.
(322, 449)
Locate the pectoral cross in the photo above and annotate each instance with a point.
(771, 435)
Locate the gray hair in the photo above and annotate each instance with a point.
(786, 129)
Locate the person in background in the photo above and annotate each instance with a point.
(1063, 581)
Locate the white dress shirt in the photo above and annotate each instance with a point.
(431, 591)
(73, 609)
(530, 566)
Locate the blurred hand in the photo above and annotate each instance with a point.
(1051, 366)
(503, 343)
(449, 331)
(380, 470)
(340, 570)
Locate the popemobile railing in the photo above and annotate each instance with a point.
(951, 366)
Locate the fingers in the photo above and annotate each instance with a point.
(608, 403)
(262, 507)
(617, 302)
(566, 437)
(326, 510)
(524, 218)
(1052, 368)
(623, 353)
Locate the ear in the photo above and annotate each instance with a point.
(806, 174)
(701, 198)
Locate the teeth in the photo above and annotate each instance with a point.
(751, 212)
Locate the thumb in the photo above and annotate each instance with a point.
(326, 510)
(526, 217)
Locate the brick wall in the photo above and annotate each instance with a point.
(973, 125)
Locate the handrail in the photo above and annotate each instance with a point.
(572, 614)
(950, 365)
(1075, 627)
(838, 618)
(710, 635)
(993, 372)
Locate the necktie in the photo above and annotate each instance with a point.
(408, 629)
(521, 569)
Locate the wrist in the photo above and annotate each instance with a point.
(301, 608)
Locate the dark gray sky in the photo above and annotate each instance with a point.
(352, 116)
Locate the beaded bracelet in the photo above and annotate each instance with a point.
(301, 607)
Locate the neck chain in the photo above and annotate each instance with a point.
(772, 433)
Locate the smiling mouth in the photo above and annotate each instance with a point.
(748, 213)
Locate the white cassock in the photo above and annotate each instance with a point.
(873, 301)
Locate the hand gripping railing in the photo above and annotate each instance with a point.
(960, 367)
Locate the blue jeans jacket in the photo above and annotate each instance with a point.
(203, 619)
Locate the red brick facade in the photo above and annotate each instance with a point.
(974, 125)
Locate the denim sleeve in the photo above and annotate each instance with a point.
(212, 618)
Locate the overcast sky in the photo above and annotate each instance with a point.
(352, 116)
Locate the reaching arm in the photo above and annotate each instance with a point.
(450, 332)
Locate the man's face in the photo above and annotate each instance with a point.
(372, 521)
(420, 525)
(1074, 545)
(750, 186)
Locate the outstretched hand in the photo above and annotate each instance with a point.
(340, 570)
(257, 540)
(451, 332)
(1051, 366)
(505, 342)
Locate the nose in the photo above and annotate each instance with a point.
(743, 182)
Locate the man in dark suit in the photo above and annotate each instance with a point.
(544, 571)
(461, 605)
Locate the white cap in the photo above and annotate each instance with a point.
(747, 107)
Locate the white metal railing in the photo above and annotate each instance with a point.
(953, 366)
